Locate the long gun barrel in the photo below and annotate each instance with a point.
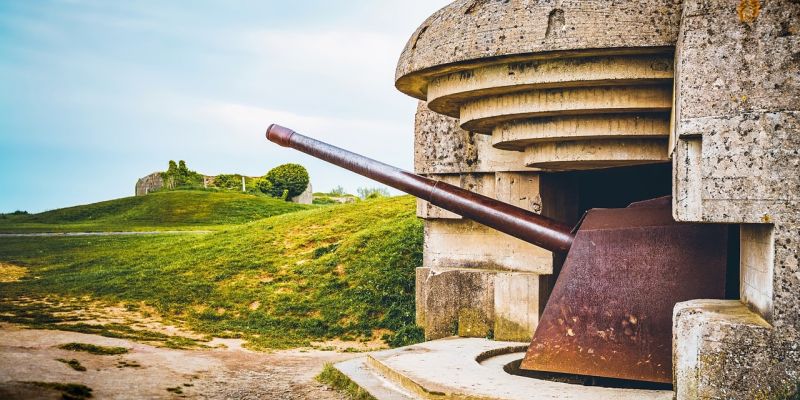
(518, 222)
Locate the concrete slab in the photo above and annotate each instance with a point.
(449, 368)
(372, 381)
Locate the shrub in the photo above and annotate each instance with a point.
(228, 181)
(264, 186)
(372, 193)
(288, 179)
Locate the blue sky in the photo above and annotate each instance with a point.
(95, 94)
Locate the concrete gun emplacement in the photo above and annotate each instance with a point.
(610, 311)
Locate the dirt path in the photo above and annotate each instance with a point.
(147, 372)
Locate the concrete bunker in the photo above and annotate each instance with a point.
(561, 108)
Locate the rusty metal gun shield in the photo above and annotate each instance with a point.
(610, 312)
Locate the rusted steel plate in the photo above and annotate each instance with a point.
(610, 312)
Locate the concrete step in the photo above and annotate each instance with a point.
(467, 368)
(372, 381)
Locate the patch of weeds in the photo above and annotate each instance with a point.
(69, 391)
(73, 363)
(128, 364)
(340, 382)
(176, 390)
(407, 335)
(353, 350)
(94, 349)
(181, 343)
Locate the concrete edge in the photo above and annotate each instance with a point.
(359, 372)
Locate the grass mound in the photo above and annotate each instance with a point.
(181, 209)
(331, 272)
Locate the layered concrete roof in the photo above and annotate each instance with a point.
(470, 32)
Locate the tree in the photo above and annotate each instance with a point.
(179, 175)
(288, 180)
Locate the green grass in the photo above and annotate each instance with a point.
(180, 210)
(344, 271)
(94, 349)
(340, 382)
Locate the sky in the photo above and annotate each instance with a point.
(95, 94)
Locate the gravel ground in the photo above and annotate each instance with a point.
(146, 372)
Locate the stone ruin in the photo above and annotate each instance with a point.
(563, 106)
(155, 181)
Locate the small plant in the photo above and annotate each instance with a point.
(94, 349)
(73, 363)
(176, 390)
(128, 364)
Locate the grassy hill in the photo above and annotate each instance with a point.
(156, 211)
(343, 271)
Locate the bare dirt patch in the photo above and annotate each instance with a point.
(146, 371)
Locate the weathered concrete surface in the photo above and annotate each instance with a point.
(462, 368)
(307, 197)
(478, 303)
(482, 115)
(455, 301)
(467, 244)
(705, 330)
(372, 381)
(485, 30)
(446, 94)
(441, 147)
(736, 160)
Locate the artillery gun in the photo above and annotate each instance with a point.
(610, 311)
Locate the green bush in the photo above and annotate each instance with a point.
(263, 185)
(288, 180)
(228, 181)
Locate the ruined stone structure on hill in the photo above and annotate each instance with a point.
(562, 106)
(155, 182)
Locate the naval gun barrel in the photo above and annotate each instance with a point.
(515, 221)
